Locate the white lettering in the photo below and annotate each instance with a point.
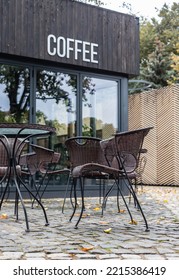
(94, 53)
(71, 48)
(68, 47)
(85, 51)
(77, 50)
(49, 39)
(61, 47)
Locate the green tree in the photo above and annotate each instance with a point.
(158, 47)
(175, 65)
(167, 28)
(158, 69)
(147, 40)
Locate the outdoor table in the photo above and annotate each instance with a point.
(26, 132)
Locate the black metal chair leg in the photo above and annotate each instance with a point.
(106, 195)
(82, 201)
(74, 183)
(16, 205)
(119, 191)
(138, 204)
(23, 206)
(66, 191)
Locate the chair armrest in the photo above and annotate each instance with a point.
(128, 161)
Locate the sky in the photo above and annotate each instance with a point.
(144, 8)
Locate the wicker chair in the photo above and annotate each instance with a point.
(44, 162)
(93, 158)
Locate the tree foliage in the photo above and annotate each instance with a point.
(158, 70)
(165, 28)
(175, 65)
(159, 47)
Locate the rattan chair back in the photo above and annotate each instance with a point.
(129, 144)
(82, 150)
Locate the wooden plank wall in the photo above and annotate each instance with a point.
(158, 108)
(25, 25)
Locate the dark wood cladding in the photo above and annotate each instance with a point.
(26, 24)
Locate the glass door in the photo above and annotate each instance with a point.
(99, 107)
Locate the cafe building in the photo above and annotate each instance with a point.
(66, 64)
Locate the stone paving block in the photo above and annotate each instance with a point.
(154, 257)
(172, 256)
(58, 256)
(38, 256)
(109, 256)
(144, 250)
(165, 250)
(11, 255)
(86, 256)
(131, 256)
(10, 248)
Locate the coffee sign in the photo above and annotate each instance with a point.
(72, 48)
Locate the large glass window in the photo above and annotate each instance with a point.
(99, 107)
(73, 103)
(14, 93)
(56, 102)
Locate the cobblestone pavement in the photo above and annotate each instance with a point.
(60, 241)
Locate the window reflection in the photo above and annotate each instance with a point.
(56, 102)
(99, 107)
(14, 93)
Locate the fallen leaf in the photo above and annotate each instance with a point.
(86, 249)
(133, 222)
(3, 216)
(97, 209)
(108, 230)
(122, 211)
(72, 255)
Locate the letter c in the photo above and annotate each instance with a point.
(51, 39)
